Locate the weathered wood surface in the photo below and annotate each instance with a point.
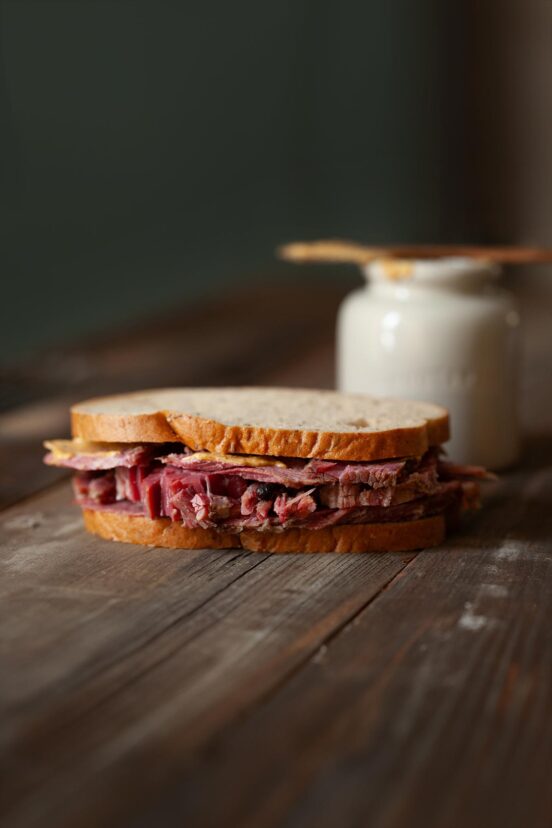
(214, 688)
(186, 640)
(434, 708)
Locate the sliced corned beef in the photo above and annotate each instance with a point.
(298, 473)
(294, 507)
(308, 493)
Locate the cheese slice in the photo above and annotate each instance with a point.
(65, 449)
(233, 459)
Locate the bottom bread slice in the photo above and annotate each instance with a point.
(364, 537)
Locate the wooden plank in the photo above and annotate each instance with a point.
(433, 708)
(118, 658)
(54, 572)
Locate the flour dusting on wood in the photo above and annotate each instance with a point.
(470, 621)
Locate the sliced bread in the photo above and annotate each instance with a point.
(266, 421)
(367, 537)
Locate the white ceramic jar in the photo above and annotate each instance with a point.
(441, 331)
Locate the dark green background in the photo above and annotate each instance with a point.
(152, 150)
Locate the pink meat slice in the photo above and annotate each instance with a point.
(128, 482)
(151, 494)
(299, 473)
(135, 456)
(296, 507)
(123, 507)
(348, 495)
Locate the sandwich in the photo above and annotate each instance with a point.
(266, 469)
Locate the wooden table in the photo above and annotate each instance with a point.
(208, 688)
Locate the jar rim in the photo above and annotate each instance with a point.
(450, 270)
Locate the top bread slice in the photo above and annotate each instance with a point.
(283, 422)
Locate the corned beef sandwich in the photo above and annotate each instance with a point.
(268, 469)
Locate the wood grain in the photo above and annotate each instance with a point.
(150, 650)
(159, 687)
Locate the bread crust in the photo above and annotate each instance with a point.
(199, 432)
(226, 439)
(130, 428)
(369, 537)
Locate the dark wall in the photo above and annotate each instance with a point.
(151, 150)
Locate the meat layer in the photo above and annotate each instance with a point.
(235, 494)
